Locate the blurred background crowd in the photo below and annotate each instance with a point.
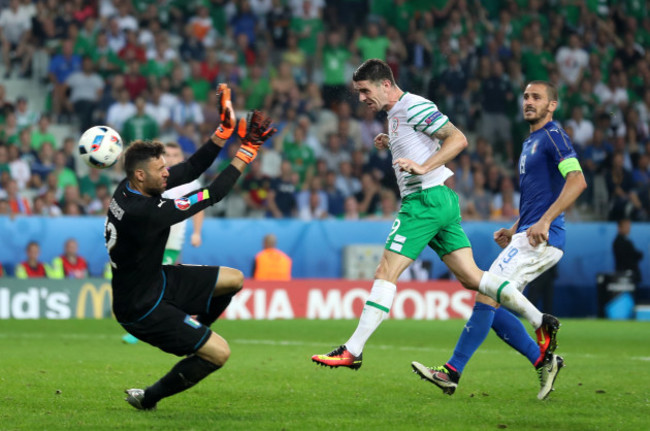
(149, 69)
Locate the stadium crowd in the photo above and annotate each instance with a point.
(149, 69)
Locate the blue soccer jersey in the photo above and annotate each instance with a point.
(540, 179)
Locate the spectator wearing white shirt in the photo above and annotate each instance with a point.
(571, 61)
(86, 87)
(25, 117)
(120, 111)
(348, 184)
(314, 210)
(167, 98)
(18, 167)
(125, 21)
(15, 30)
(15, 26)
(162, 52)
(159, 111)
(613, 93)
(583, 129)
(186, 110)
(115, 35)
(313, 10)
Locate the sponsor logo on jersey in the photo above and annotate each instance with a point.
(433, 117)
(182, 203)
(160, 204)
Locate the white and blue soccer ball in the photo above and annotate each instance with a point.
(100, 147)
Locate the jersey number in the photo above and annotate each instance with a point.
(111, 239)
(513, 251)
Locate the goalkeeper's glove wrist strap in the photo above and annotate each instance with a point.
(224, 133)
(246, 153)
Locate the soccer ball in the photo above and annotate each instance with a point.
(100, 147)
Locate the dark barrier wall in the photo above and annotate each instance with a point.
(316, 248)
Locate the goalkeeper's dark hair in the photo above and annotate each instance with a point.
(139, 153)
(551, 89)
(374, 70)
(172, 144)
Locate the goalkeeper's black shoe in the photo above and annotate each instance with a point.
(443, 377)
(547, 373)
(339, 357)
(135, 397)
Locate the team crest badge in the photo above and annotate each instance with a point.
(192, 322)
(182, 203)
(394, 124)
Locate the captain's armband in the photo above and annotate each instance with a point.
(569, 165)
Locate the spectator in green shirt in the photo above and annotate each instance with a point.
(372, 45)
(64, 175)
(300, 155)
(43, 134)
(107, 62)
(256, 89)
(308, 28)
(140, 126)
(88, 183)
(333, 59)
(537, 61)
(200, 86)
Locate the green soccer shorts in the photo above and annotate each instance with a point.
(428, 217)
(170, 256)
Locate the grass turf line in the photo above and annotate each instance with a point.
(71, 375)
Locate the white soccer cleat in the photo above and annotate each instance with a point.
(135, 397)
(547, 373)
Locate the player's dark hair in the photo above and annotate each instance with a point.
(551, 89)
(140, 152)
(373, 70)
(172, 144)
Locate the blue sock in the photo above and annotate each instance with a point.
(474, 333)
(510, 329)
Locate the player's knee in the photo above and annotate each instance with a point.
(216, 352)
(239, 280)
(382, 272)
(222, 355)
(470, 280)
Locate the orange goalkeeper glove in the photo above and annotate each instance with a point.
(226, 112)
(253, 132)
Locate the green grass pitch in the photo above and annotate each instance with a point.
(71, 375)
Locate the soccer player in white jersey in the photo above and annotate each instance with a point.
(421, 140)
(550, 181)
(173, 156)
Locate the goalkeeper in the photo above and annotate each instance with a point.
(156, 302)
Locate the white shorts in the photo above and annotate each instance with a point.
(521, 263)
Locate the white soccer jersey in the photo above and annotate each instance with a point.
(177, 231)
(411, 124)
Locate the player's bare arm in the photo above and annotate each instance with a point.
(575, 184)
(453, 141)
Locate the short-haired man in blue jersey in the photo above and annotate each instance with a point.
(550, 181)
